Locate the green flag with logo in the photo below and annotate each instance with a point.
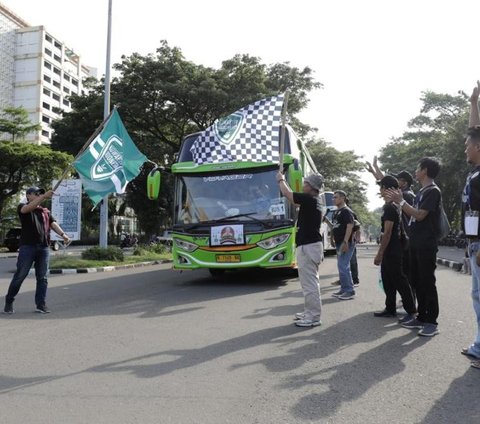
(110, 161)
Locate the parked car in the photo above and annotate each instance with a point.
(166, 239)
(12, 240)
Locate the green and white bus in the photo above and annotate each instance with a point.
(232, 215)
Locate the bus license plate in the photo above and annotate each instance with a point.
(228, 258)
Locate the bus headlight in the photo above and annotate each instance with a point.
(185, 245)
(274, 241)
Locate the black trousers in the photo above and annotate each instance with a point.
(422, 270)
(406, 271)
(395, 280)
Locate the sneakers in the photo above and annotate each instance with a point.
(8, 308)
(336, 283)
(428, 330)
(356, 283)
(42, 309)
(338, 293)
(385, 314)
(413, 323)
(406, 318)
(346, 296)
(308, 323)
(476, 364)
(299, 315)
(466, 351)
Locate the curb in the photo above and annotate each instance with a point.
(9, 256)
(102, 269)
(457, 266)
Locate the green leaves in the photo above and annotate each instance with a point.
(15, 121)
(437, 131)
(25, 164)
(162, 97)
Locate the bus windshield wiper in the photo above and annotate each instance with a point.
(239, 215)
(248, 215)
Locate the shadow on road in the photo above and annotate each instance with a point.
(150, 294)
(332, 386)
(460, 403)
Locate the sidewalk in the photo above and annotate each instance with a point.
(447, 256)
(451, 257)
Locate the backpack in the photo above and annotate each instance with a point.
(356, 223)
(443, 226)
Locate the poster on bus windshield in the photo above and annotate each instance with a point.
(227, 235)
(66, 208)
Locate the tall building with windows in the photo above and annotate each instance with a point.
(37, 72)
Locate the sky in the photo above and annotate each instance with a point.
(373, 57)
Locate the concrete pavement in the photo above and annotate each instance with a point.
(152, 345)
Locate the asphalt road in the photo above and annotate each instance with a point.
(150, 345)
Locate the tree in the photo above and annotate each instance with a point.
(25, 164)
(339, 170)
(15, 121)
(76, 127)
(437, 131)
(163, 97)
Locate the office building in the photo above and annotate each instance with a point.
(37, 72)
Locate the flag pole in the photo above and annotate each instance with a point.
(103, 239)
(92, 137)
(282, 132)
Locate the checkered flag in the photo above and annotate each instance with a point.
(249, 134)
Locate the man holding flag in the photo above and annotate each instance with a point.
(309, 250)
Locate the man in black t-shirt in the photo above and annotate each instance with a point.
(424, 230)
(309, 252)
(405, 181)
(34, 244)
(390, 257)
(342, 229)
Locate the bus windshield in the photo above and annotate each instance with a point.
(210, 197)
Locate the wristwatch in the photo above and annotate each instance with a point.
(402, 202)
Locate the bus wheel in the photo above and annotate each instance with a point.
(216, 272)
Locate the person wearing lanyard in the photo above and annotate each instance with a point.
(470, 217)
(424, 229)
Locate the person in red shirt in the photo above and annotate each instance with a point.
(36, 224)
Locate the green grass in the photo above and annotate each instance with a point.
(67, 262)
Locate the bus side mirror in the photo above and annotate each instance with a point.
(153, 183)
(295, 176)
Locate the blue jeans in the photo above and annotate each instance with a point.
(354, 266)
(27, 256)
(344, 271)
(473, 248)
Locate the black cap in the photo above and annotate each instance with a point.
(35, 190)
(405, 175)
(388, 182)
